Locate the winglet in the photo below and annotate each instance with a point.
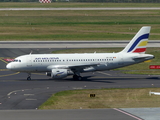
(139, 42)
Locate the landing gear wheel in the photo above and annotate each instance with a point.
(28, 78)
(76, 77)
(79, 78)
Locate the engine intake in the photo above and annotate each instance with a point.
(59, 73)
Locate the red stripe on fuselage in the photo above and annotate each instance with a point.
(139, 50)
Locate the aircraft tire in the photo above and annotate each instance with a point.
(76, 77)
(28, 78)
(79, 78)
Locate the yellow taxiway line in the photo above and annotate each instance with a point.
(9, 74)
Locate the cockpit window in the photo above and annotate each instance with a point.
(15, 60)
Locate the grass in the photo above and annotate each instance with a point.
(77, 25)
(141, 68)
(105, 98)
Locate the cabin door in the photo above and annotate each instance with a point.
(29, 60)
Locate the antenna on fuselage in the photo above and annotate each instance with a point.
(30, 52)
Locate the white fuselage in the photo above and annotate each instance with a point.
(93, 61)
(61, 65)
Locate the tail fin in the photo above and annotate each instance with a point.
(139, 42)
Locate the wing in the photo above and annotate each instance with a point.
(81, 68)
(74, 68)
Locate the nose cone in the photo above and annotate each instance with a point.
(9, 66)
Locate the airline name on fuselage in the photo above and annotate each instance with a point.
(46, 58)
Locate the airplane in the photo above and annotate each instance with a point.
(59, 66)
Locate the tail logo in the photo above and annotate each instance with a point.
(140, 44)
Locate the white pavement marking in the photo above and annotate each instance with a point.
(127, 114)
(16, 91)
(28, 94)
(31, 99)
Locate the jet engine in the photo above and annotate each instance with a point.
(59, 73)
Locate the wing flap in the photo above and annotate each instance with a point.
(79, 67)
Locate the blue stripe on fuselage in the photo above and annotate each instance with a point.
(137, 41)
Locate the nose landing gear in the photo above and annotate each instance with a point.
(29, 77)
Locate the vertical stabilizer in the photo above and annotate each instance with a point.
(139, 42)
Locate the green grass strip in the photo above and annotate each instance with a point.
(104, 98)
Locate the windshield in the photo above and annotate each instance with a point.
(15, 60)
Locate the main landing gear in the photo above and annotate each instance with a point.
(77, 77)
(29, 77)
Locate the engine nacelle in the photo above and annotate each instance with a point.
(59, 73)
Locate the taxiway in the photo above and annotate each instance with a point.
(16, 93)
(102, 8)
(70, 44)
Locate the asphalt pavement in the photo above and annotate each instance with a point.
(70, 44)
(93, 8)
